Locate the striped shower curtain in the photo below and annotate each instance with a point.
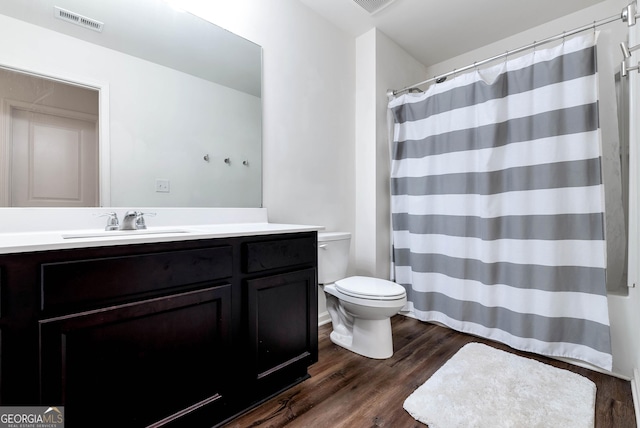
(498, 204)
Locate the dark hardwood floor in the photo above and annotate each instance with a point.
(348, 390)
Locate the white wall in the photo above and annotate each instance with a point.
(605, 9)
(365, 238)
(627, 311)
(308, 101)
(380, 65)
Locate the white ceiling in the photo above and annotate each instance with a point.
(436, 30)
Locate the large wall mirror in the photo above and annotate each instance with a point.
(139, 102)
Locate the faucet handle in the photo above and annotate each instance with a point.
(112, 221)
(140, 224)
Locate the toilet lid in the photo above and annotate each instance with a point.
(370, 288)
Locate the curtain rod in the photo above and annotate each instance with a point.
(443, 77)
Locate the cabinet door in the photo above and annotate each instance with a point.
(283, 324)
(135, 364)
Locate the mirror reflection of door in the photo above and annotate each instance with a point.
(48, 142)
(54, 159)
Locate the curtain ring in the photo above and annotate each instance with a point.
(506, 56)
(564, 34)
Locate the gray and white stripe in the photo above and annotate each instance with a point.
(498, 207)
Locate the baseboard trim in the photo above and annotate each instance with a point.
(323, 318)
(591, 367)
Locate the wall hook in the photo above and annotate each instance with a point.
(624, 69)
(245, 162)
(206, 158)
(627, 50)
(227, 161)
(629, 14)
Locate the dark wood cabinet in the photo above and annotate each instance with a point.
(176, 334)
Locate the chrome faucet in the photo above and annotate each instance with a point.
(112, 221)
(134, 220)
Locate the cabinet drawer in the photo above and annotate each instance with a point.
(273, 254)
(83, 284)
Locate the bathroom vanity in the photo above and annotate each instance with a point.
(185, 330)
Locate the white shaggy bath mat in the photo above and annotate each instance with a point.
(481, 386)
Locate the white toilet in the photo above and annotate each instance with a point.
(360, 307)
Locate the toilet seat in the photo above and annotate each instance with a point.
(363, 287)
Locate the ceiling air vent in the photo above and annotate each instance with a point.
(373, 6)
(77, 19)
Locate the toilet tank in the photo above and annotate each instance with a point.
(333, 256)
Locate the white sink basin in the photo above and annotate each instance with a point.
(110, 233)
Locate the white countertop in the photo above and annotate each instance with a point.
(42, 229)
(83, 238)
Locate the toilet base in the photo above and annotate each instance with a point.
(369, 338)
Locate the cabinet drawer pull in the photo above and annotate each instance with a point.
(185, 411)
